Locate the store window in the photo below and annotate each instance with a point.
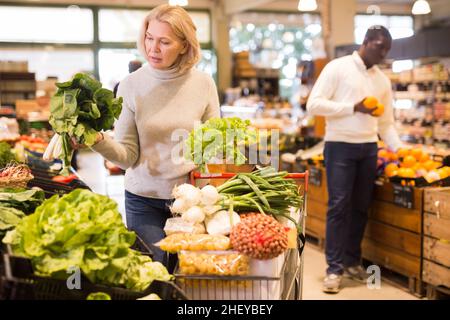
(122, 26)
(278, 41)
(399, 26)
(34, 28)
(51, 61)
(113, 64)
(117, 25)
(52, 25)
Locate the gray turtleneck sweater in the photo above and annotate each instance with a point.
(156, 105)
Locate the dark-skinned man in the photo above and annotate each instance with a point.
(350, 151)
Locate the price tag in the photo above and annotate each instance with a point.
(315, 176)
(403, 196)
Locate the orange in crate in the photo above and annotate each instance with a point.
(417, 153)
(409, 162)
(424, 157)
(402, 152)
(383, 154)
(391, 170)
(406, 173)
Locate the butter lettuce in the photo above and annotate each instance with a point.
(219, 139)
(85, 230)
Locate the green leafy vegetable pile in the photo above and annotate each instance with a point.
(81, 108)
(220, 138)
(85, 230)
(6, 154)
(9, 218)
(21, 199)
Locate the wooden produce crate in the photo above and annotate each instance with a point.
(393, 235)
(436, 240)
(317, 204)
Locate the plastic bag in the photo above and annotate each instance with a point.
(223, 263)
(179, 225)
(193, 242)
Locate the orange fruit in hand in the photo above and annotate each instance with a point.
(393, 156)
(402, 152)
(370, 102)
(409, 162)
(417, 153)
(391, 170)
(378, 112)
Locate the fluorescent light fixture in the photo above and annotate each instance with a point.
(307, 5)
(421, 7)
(181, 3)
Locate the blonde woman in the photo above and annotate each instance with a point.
(165, 95)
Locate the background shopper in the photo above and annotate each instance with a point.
(351, 148)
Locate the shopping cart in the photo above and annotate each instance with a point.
(284, 278)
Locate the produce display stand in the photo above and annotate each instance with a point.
(283, 278)
(18, 281)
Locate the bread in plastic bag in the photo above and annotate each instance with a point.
(223, 263)
(193, 242)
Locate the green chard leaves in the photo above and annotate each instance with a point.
(79, 109)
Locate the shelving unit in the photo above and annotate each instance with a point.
(16, 86)
(425, 93)
(264, 82)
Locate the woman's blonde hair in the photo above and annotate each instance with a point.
(183, 27)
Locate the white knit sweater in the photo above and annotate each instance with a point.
(344, 82)
(156, 104)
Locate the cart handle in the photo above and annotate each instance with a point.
(227, 175)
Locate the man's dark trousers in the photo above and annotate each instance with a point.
(351, 173)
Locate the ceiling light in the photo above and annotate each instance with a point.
(181, 3)
(421, 7)
(307, 5)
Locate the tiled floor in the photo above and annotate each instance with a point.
(93, 172)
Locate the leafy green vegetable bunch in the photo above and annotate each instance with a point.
(81, 108)
(21, 199)
(6, 154)
(219, 139)
(84, 230)
(9, 218)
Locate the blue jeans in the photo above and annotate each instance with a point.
(351, 173)
(147, 217)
